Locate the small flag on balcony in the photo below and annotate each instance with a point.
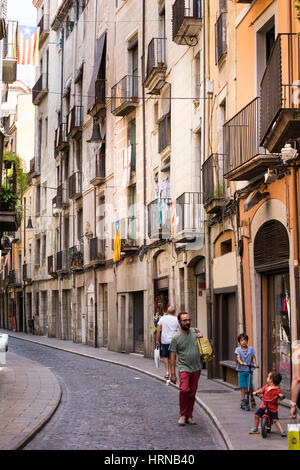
(117, 241)
(26, 47)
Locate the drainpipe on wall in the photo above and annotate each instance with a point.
(144, 122)
(95, 210)
(240, 249)
(294, 195)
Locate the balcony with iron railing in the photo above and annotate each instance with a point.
(75, 121)
(27, 273)
(35, 167)
(97, 250)
(156, 67)
(159, 219)
(62, 261)
(245, 159)
(9, 62)
(186, 21)
(124, 96)
(44, 28)
(188, 225)
(127, 229)
(61, 138)
(40, 89)
(76, 257)
(213, 183)
(280, 94)
(62, 196)
(98, 103)
(15, 277)
(97, 167)
(75, 185)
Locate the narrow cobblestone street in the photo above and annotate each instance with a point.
(108, 407)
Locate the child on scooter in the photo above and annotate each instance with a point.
(272, 393)
(245, 356)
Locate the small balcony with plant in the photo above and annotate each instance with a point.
(76, 258)
(10, 215)
(213, 184)
(156, 66)
(124, 96)
(186, 22)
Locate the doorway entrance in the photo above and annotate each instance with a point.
(138, 322)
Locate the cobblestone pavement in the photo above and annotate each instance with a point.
(105, 406)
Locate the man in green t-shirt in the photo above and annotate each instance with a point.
(184, 344)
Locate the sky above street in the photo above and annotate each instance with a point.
(24, 12)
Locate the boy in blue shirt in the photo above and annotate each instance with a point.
(245, 356)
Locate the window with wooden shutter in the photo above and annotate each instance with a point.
(271, 247)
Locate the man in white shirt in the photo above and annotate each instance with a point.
(168, 325)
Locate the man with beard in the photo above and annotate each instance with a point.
(184, 344)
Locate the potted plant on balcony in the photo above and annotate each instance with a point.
(8, 199)
(76, 259)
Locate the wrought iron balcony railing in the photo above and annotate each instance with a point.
(97, 167)
(186, 21)
(159, 219)
(61, 138)
(75, 120)
(156, 65)
(124, 95)
(76, 257)
(44, 28)
(280, 93)
(213, 182)
(189, 220)
(97, 249)
(75, 185)
(40, 89)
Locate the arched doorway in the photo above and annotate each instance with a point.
(271, 260)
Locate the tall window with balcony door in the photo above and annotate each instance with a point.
(133, 81)
(265, 39)
(131, 238)
(221, 31)
(131, 137)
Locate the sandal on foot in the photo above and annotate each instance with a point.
(283, 434)
(191, 421)
(254, 431)
(182, 421)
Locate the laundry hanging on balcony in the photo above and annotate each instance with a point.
(26, 46)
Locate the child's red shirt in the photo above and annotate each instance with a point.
(273, 395)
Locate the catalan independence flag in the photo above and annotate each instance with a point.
(26, 48)
(117, 241)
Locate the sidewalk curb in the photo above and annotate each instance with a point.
(207, 410)
(43, 423)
